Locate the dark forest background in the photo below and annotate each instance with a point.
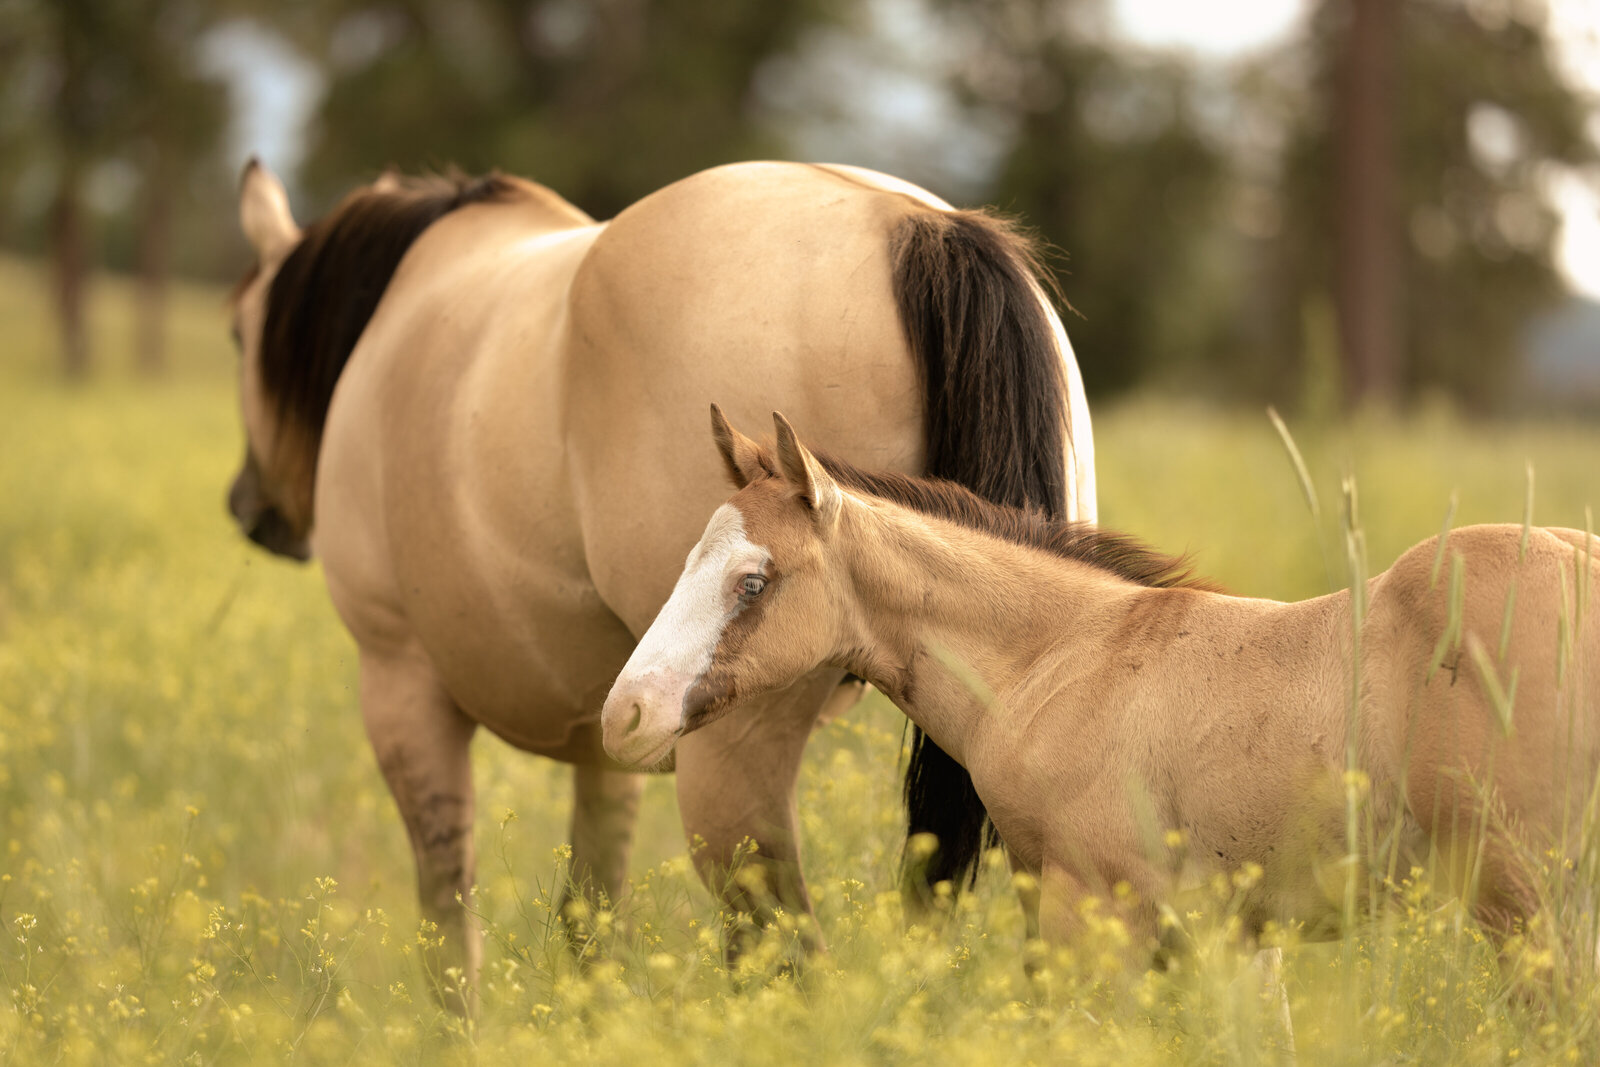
(1358, 214)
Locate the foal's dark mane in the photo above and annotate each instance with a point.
(325, 292)
(1122, 555)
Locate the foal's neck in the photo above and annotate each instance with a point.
(959, 622)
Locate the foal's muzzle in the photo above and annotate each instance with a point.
(642, 720)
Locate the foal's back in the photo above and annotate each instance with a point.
(1229, 717)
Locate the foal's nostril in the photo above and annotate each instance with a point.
(638, 716)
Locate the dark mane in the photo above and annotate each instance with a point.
(1120, 554)
(327, 289)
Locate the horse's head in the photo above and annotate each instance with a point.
(759, 604)
(271, 496)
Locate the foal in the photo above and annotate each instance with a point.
(1091, 688)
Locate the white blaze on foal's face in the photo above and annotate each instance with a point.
(644, 712)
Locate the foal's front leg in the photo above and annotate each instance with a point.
(1060, 919)
(1034, 948)
(1063, 918)
(422, 740)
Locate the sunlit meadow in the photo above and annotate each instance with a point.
(200, 864)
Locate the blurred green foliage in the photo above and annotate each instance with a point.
(1112, 164)
(1196, 203)
(1481, 117)
(603, 101)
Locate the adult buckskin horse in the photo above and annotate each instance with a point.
(483, 410)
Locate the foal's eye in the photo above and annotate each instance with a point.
(751, 586)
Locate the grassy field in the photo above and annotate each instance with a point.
(200, 864)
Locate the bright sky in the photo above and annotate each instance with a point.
(1250, 24)
(276, 89)
(1205, 28)
(1577, 24)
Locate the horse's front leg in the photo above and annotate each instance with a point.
(1056, 904)
(421, 740)
(1034, 948)
(736, 788)
(1063, 917)
(605, 806)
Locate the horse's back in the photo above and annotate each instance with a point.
(759, 287)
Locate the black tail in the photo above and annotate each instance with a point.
(968, 288)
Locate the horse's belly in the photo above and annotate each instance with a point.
(528, 655)
(523, 649)
(447, 521)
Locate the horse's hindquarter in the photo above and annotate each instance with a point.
(445, 520)
(758, 287)
(1446, 729)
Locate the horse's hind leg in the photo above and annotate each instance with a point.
(605, 806)
(736, 784)
(422, 741)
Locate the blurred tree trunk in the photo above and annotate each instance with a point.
(72, 121)
(155, 265)
(1364, 244)
(69, 262)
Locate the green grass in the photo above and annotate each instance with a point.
(199, 862)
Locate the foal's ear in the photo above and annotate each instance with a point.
(801, 470)
(387, 182)
(264, 212)
(741, 455)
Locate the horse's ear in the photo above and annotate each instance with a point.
(264, 212)
(802, 470)
(741, 455)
